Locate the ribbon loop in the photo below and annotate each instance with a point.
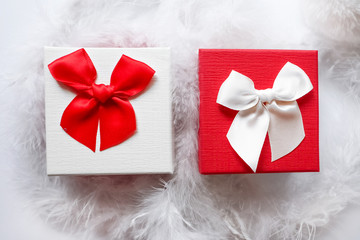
(78, 78)
(273, 111)
(237, 92)
(98, 102)
(291, 83)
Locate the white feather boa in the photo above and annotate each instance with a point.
(188, 205)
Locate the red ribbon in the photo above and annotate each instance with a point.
(94, 103)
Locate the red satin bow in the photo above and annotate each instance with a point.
(107, 104)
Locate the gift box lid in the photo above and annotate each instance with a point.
(149, 150)
(216, 156)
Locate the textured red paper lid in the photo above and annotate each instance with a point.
(216, 156)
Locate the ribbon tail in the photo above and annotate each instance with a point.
(286, 129)
(80, 120)
(117, 122)
(247, 134)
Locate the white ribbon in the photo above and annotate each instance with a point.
(273, 111)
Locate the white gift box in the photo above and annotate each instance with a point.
(149, 150)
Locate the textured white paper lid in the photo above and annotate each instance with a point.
(149, 150)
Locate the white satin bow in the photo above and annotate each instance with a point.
(273, 111)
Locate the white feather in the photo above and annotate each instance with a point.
(188, 205)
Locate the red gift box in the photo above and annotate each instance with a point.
(216, 156)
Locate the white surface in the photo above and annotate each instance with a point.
(149, 150)
(17, 222)
(18, 19)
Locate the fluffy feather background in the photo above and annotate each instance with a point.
(188, 205)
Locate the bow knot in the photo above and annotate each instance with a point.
(100, 104)
(102, 92)
(265, 95)
(280, 117)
